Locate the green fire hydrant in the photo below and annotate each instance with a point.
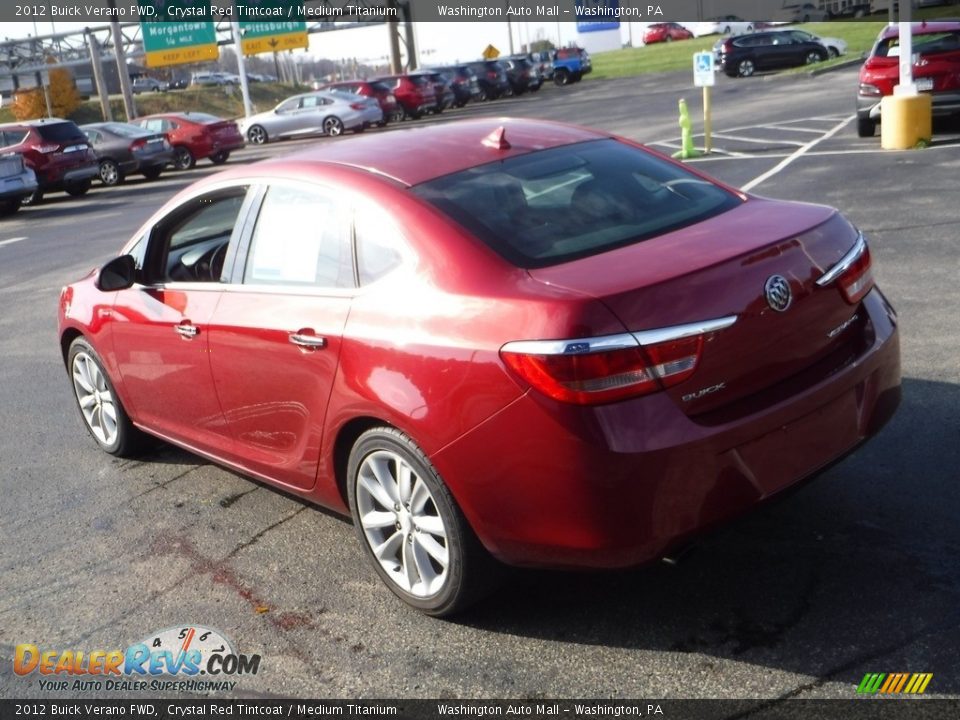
(687, 150)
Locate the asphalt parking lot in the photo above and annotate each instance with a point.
(857, 572)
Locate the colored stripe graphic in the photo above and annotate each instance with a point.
(894, 683)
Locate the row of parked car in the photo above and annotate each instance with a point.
(38, 157)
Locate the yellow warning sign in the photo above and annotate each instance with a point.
(490, 52)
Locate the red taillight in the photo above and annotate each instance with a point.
(853, 274)
(46, 148)
(492, 74)
(358, 106)
(586, 372)
(138, 144)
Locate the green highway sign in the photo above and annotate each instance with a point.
(180, 31)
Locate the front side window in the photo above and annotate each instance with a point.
(556, 205)
(191, 244)
(302, 238)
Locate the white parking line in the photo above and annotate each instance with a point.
(799, 153)
(762, 141)
(11, 241)
(777, 126)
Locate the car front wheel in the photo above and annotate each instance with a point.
(110, 173)
(257, 135)
(101, 410)
(418, 540)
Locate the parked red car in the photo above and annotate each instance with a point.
(551, 347)
(382, 92)
(58, 153)
(195, 136)
(665, 32)
(414, 93)
(936, 47)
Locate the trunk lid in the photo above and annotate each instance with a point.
(720, 268)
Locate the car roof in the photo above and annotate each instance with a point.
(35, 122)
(418, 155)
(922, 28)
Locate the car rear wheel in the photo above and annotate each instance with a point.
(78, 189)
(220, 158)
(34, 198)
(746, 68)
(101, 409)
(110, 173)
(418, 540)
(866, 127)
(333, 126)
(561, 76)
(257, 135)
(152, 173)
(9, 207)
(183, 159)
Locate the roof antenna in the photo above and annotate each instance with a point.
(497, 139)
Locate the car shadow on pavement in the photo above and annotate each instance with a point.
(858, 571)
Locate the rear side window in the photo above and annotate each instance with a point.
(378, 244)
(556, 205)
(61, 132)
(302, 238)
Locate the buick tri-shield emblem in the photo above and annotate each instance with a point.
(778, 292)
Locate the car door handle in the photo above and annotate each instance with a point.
(311, 342)
(186, 330)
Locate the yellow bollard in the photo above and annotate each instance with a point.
(687, 150)
(906, 121)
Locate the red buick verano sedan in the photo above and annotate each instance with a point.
(497, 340)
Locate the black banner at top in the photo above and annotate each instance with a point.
(582, 11)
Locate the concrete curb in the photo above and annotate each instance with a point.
(839, 66)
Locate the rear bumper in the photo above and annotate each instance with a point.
(944, 104)
(20, 186)
(621, 484)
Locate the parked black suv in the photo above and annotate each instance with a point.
(463, 81)
(492, 79)
(522, 74)
(743, 55)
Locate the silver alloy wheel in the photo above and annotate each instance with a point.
(109, 172)
(813, 57)
(746, 68)
(333, 126)
(95, 399)
(257, 135)
(401, 524)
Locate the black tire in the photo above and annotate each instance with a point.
(333, 126)
(78, 189)
(110, 174)
(257, 135)
(746, 68)
(814, 56)
(128, 440)
(470, 572)
(866, 128)
(9, 207)
(183, 159)
(561, 77)
(35, 198)
(832, 52)
(220, 158)
(152, 173)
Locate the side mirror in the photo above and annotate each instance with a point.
(118, 274)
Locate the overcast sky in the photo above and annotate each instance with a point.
(439, 42)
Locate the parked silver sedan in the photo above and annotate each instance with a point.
(326, 112)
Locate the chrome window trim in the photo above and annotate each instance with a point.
(845, 262)
(621, 341)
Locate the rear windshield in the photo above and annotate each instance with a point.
(570, 202)
(380, 87)
(199, 117)
(124, 130)
(923, 44)
(60, 132)
(418, 80)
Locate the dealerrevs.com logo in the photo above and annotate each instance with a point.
(172, 659)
